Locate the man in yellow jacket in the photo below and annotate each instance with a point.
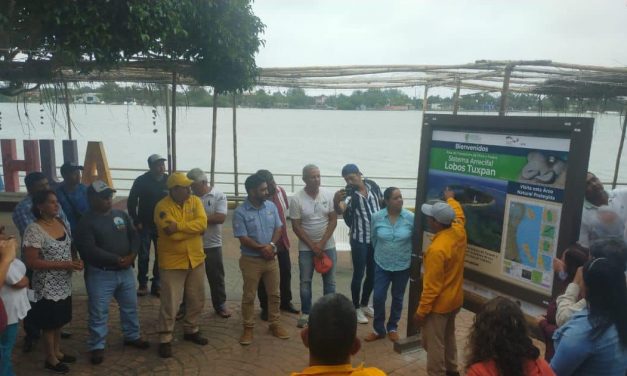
(181, 221)
(442, 293)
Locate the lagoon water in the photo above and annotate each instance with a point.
(382, 143)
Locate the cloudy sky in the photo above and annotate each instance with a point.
(349, 32)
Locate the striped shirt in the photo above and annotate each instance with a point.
(360, 209)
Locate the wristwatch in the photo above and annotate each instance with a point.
(273, 247)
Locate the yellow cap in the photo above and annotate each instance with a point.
(178, 179)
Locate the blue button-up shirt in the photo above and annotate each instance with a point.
(392, 242)
(23, 215)
(256, 223)
(74, 203)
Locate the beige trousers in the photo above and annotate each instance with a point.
(438, 339)
(174, 284)
(253, 270)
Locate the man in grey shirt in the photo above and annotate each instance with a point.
(108, 244)
(215, 205)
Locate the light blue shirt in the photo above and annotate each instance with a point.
(576, 353)
(256, 223)
(392, 242)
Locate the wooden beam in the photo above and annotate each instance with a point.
(235, 169)
(173, 138)
(456, 98)
(505, 90)
(620, 149)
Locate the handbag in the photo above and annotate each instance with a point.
(323, 263)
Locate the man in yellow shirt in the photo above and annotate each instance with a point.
(442, 293)
(181, 221)
(332, 339)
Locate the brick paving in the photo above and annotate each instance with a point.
(223, 355)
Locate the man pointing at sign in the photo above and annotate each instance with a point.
(442, 293)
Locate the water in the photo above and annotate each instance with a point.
(381, 143)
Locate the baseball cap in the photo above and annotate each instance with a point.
(350, 168)
(197, 175)
(178, 179)
(68, 167)
(100, 188)
(441, 211)
(155, 158)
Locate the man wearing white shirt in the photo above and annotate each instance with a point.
(604, 213)
(313, 221)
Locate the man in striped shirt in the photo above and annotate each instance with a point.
(357, 203)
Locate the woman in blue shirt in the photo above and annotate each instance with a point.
(391, 231)
(594, 340)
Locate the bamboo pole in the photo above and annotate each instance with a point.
(214, 128)
(173, 121)
(620, 148)
(167, 127)
(235, 171)
(505, 90)
(425, 100)
(456, 98)
(67, 110)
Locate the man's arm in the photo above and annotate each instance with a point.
(131, 203)
(432, 281)
(329, 231)
(198, 224)
(302, 235)
(133, 236)
(219, 216)
(338, 202)
(459, 212)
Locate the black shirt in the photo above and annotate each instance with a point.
(148, 192)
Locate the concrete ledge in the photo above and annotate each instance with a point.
(409, 344)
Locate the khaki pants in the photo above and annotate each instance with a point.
(175, 283)
(255, 269)
(438, 338)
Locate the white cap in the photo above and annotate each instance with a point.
(100, 187)
(441, 211)
(155, 158)
(197, 175)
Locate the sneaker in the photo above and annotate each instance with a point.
(361, 318)
(393, 336)
(165, 350)
(247, 336)
(279, 331)
(368, 311)
(196, 338)
(303, 320)
(142, 290)
(97, 356)
(60, 367)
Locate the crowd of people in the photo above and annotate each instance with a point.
(180, 215)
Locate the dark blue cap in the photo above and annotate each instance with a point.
(350, 168)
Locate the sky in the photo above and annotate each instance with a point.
(351, 32)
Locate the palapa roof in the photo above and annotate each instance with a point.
(525, 76)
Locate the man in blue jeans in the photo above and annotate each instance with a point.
(357, 203)
(313, 221)
(108, 244)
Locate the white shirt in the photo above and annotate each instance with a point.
(213, 202)
(15, 300)
(314, 215)
(592, 226)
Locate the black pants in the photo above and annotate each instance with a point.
(215, 275)
(32, 330)
(285, 286)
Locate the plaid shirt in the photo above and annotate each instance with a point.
(23, 215)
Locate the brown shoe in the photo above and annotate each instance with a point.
(165, 350)
(393, 336)
(247, 336)
(279, 331)
(372, 337)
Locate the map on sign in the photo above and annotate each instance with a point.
(530, 241)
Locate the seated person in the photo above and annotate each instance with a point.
(499, 343)
(332, 338)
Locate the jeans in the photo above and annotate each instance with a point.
(363, 258)
(285, 279)
(306, 267)
(101, 287)
(7, 341)
(146, 236)
(214, 267)
(382, 280)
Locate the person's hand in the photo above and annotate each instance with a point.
(8, 248)
(448, 193)
(579, 278)
(126, 261)
(558, 265)
(419, 321)
(339, 196)
(171, 228)
(139, 226)
(317, 249)
(77, 265)
(267, 252)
